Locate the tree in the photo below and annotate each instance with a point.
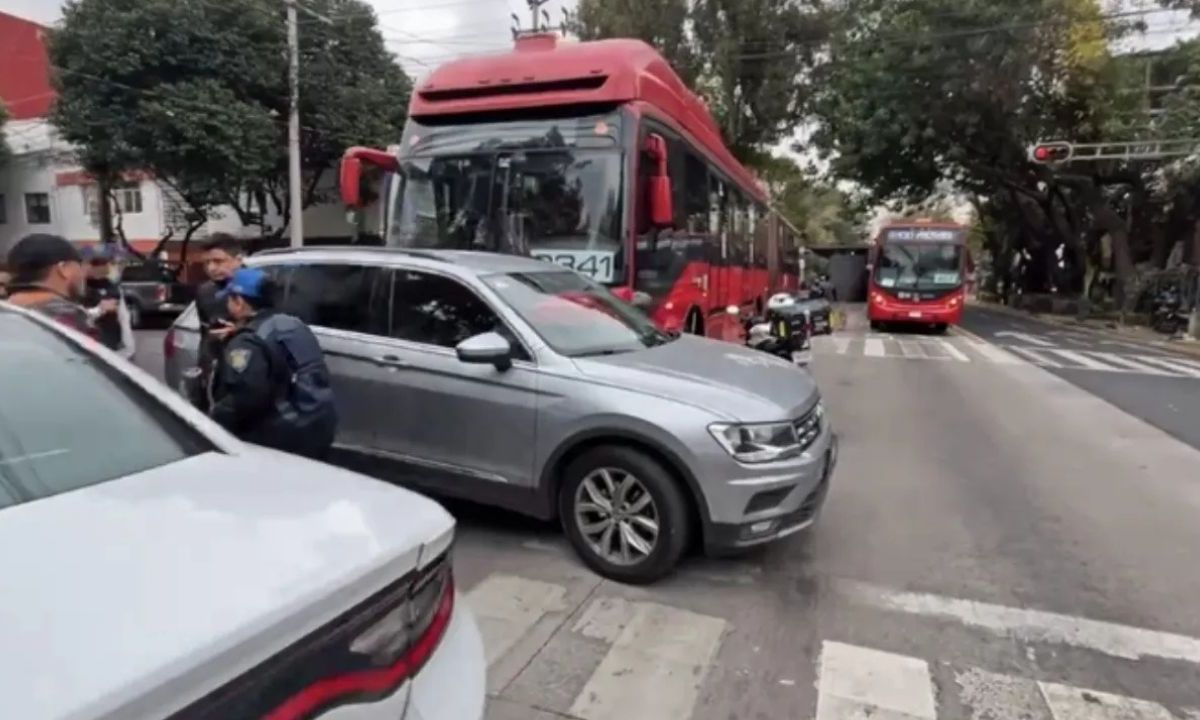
(748, 59)
(823, 213)
(196, 93)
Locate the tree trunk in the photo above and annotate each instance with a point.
(104, 207)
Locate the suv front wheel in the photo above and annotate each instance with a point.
(624, 513)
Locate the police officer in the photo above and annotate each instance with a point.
(271, 385)
(106, 304)
(222, 257)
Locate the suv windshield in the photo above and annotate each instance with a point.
(551, 188)
(62, 413)
(575, 316)
(914, 266)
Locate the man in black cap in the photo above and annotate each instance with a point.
(48, 276)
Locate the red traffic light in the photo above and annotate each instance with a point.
(1051, 152)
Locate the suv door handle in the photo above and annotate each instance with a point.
(392, 361)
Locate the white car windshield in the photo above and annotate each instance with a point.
(68, 421)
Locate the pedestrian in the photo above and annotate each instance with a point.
(271, 385)
(222, 257)
(106, 304)
(48, 276)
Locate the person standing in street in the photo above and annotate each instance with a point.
(48, 276)
(222, 257)
(271, 385)
(106, 303)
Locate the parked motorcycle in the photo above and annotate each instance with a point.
(1168, 316)
(782, 331)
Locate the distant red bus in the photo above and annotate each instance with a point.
(919, 275)
(593, 155)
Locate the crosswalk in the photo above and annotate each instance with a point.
(1043, 353)
(645, 660)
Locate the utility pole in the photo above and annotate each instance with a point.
(295, 202)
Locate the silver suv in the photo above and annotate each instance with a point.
(515, 382)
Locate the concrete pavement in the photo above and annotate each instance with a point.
(999, 542)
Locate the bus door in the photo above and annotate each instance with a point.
(718, 295)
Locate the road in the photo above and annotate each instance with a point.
(1001, 542)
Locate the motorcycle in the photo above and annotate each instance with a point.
(1167, 316)
(782, 331)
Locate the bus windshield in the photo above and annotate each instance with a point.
(550, 188)
(919, 266)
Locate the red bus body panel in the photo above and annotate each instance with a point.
(884, 306)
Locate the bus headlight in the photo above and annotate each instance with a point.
(757, 442)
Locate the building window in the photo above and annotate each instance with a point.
(3, 210)
(37, 208)
(129, 199)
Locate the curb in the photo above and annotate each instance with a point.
(1187, 347)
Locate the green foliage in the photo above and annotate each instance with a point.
(748, 59)
(824, 214)
(196, 92)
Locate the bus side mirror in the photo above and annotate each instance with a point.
(660, 195)
(350, 176)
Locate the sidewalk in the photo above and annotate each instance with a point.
(1105, 328)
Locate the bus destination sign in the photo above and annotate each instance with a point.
(921, 234)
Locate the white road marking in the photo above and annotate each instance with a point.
(992, 696)
(1122, 641)
(994, 353)
(841, 345)
(873, 347)
(1027, 338)
(507, 607)
(1179, 365)
(857, 682)
(1083, 361)
(1071, 703)
(953, 351)
(655, 667)
(1130, 363)
(912, 350)
(1034, 356)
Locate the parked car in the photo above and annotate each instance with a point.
(156, 567)
(153, 291)
(515, 382)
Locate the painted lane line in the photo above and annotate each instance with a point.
(873, 347)
(1179, 365)
(1130, 363)
(1025, 337)
(1034, 356)
(1071, 703)
(953, 351)
(506, 609)
(656, 665)
(858, 682)
(992, 696)
(994, 353)
(841, 345)
(1083, 361)
(1122, 641)
(912, 350)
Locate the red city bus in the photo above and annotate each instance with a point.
(593, 155)
(919, 274)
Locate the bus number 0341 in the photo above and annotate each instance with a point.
(596, 265)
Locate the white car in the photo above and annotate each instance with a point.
(153, 566)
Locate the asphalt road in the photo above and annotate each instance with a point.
(1149, 380)
(1000, 543)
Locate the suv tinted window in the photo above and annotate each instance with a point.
(437, 310)
(62, 412)
(342, 297)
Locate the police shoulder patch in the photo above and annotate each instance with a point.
(238, 358)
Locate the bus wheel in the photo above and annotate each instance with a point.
(694, 324)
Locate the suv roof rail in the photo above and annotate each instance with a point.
(422, 254)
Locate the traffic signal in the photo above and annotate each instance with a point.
(1051, 152)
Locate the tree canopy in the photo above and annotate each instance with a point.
(196, 93)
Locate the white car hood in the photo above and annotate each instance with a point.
(182, 574)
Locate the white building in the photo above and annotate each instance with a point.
(43, 189)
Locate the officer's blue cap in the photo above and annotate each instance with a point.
(247, 283)
(99, 252)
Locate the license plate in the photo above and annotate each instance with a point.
(915, 314)
(801, 357)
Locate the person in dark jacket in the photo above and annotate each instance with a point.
(271, 385)
(48, 276)
(105, 303)
(222, 257)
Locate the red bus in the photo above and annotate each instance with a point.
(593, 155)
(919, 273)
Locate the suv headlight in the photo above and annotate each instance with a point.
(757, 442)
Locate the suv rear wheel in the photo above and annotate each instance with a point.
(624, 513)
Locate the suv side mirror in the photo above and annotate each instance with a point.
(487, 348)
